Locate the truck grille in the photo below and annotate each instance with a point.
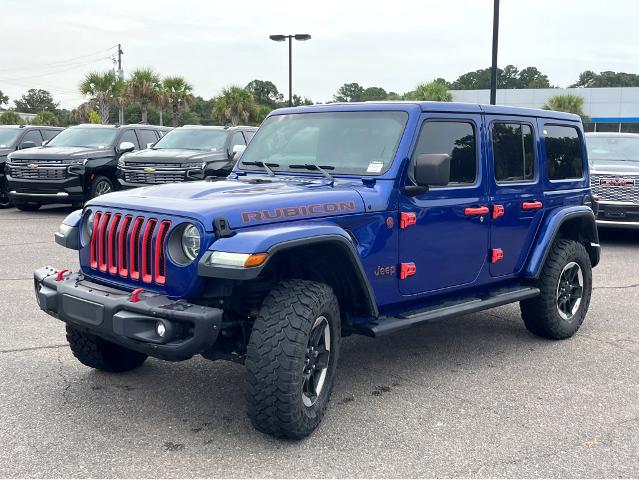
(155, 178)
(619, 188)
(38, 172)
(129, 246)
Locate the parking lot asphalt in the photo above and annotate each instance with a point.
(476, 396)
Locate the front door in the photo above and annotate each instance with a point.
(443, 240)
(515, 188)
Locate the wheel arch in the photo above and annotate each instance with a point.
(575, 223)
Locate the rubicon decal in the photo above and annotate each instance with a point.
(303, 211)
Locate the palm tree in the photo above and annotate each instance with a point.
(235, 104)
(102, 87)
(433, 91)
(567, 103)
(161, 102)
(179, 95)
(143, 87)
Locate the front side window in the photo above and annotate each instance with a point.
(91, 137)
(563, 152)
(456, 139)
(358, 143)
(613, 148)
(513, 152)
(129, 136)
(33, 136)
(193, 139)
(146, 137)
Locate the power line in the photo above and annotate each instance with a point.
(57, 70)
(59, 63)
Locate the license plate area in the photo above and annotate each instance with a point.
(82, 311)
(614, 212)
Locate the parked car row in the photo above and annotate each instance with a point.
(86, 161)
(42, 164)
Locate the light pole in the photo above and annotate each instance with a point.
(493, 70)
(280, 38)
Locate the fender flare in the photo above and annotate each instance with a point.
(275, 240)
(550, 229)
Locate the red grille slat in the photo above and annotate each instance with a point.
(123, 256)
(112, 250)
(93, 245)
(134, 251)
(102, 260)
(160, 252)
(147, 251)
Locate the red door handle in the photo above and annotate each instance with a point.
(532, 205)
(471, 211)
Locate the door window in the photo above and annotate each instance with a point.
(237, 139)
(129, 136)
(456, 139)
(33, 136)
(146, 137)
(513, 152)
(49, 134)
(563, 152)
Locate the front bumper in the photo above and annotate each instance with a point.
(618, 214)
(111, 314)
(68, 190)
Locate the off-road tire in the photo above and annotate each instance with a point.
(27, 206)
(95, 352)
(96, 185)
(541, 314)
(275, 358)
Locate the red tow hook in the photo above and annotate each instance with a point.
(135, 295)
(61, 273)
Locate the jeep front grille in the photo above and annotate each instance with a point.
(129, 246)
(618, 191)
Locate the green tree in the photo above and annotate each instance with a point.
(433, 91)
(143, 87)
(201, 111)
(265, 93)
(349, 92)
(80, 114)
(299, 101)
(567, 103)
(4, 99)
(531, 77)
(179, 94)
(103, 88)
(10, 118)
(36, 100)
(45, 118)
(373, 93)
(508, 77)
(235, 105)
(606, 79)
(94, 117)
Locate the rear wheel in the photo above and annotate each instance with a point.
(95, 352)
(292, 357)
(566, 285)
(27, 206)
(5, 201)
(101, 186)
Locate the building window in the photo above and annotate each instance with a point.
(563, 152)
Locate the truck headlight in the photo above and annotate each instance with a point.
(191, 241)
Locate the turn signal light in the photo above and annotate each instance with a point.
(255, 260)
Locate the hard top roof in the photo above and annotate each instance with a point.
(48, 127)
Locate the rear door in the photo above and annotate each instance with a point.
(445, 239)
(515, 188)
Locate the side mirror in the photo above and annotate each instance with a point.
(150, 144)
(237, 151)
(27, 144)
(126, 147)
(431, 169)
(44, 144)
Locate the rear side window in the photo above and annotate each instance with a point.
(249, 134)
(563, 152)
(456, 139)
(513, 152)
(49, 134)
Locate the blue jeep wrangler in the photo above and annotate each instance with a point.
(344, 218)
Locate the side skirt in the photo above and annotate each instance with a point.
(387, 325)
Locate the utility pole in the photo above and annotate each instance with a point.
(121, 77)
(493, 70)
(290, 71)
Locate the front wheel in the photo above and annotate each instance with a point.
(101, 186)
(292, 357)
(566, 285)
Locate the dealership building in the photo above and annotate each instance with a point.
(609, 109)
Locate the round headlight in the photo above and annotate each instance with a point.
(88, 221)
(191, 241)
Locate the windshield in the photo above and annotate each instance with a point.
(613, 149)
(8, 136)
(350, 142)
(212, 140)
(84, 137)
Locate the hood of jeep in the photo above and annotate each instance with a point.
(241, 203)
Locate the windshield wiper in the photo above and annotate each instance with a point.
(320, 168)
(265, 166)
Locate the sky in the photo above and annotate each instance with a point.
(52, 44)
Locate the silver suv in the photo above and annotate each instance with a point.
(614, 177)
